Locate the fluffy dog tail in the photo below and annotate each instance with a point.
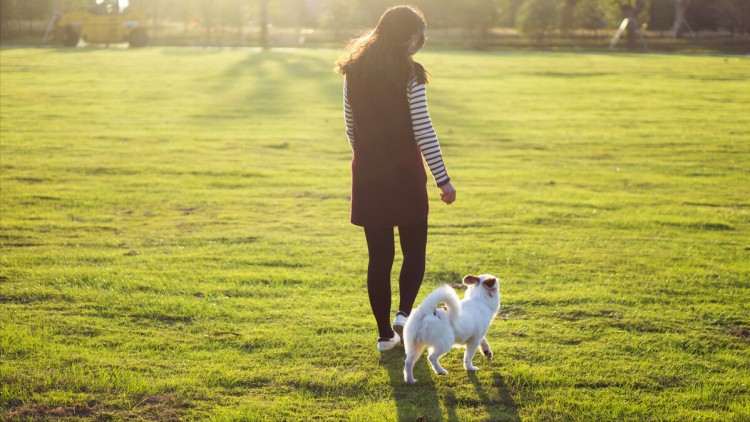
(443, 294)
(425, 314)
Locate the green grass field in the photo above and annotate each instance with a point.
(176, 245)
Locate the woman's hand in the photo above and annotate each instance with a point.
(449, 193)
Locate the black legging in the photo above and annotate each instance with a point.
(381, 249)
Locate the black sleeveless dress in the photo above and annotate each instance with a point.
(389, 182)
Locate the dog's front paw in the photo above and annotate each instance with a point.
(487, 353)
(441, 371)
(471, 367)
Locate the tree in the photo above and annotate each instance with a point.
(264, 22)
(338, 15)
(679, 17)
(704, 15)
(479, 16)
(368, 11)
(232, 15)
(661, 15)
(737, 16)
(31, 10)
(635, 11)
(590, 14)
(7, 9)
(536, 18)
(441, 13)
(507, 12)
(567, 16)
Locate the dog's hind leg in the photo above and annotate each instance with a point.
(415, 351)
(471, 349)
(486, 351)
(436, 352)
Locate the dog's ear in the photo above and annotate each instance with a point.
(471, 280)
(489, 282)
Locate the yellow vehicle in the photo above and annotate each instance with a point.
(100, 26)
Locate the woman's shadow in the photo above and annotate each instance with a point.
(423, 402)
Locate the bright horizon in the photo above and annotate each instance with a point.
(123, 3)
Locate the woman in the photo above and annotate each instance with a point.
(390, 132)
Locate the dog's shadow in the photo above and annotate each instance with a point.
(500, 407)
(414, 402)
(422, 401)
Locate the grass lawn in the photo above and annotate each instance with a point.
(176, 245)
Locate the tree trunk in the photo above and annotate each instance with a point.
(740, 24)
(679, 19)
(567, 17)
(632, 28)
(264, 24)
(631, 36)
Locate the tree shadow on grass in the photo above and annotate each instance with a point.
(271, 84)
(268, 75)
(414, 402)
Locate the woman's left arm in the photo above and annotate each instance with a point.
(348, 118)
(424, 133)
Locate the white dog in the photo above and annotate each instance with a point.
(462, 323)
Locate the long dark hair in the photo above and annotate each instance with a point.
(383, 54)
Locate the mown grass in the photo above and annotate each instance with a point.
(176, 245)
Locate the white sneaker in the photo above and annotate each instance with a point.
(388, 343)
(398, 324)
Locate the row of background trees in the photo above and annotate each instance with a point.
(219, 19)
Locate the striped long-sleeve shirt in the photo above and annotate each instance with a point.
(424, 133)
